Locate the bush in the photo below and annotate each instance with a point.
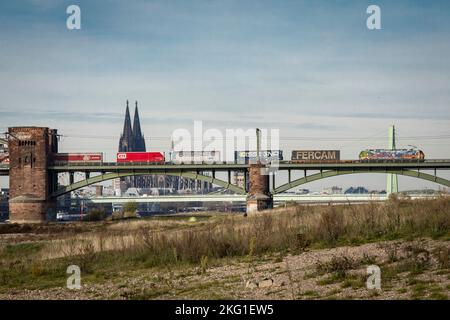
(96, 214)
(331, 225)
(339, 266)
(117, 215)
(130, 209)
(129, 214)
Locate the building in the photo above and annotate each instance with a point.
(132, 140)
(332, 190)
(4, 207)
(357, 190)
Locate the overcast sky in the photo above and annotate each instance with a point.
(308, 68)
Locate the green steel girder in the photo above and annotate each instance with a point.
(114, 167)
(113, 175)
(333, 173)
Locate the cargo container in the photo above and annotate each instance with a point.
(397, 154)
(153, 157)
(4, 159)
(89, 157)
(316, 155)
(265, 156)
(187, 157)
(4, 154)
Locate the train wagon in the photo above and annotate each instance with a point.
(130, 157)
(190, 157)
(316, 156)
(4, 154)
(4, 159)
(78, 158)
(391, 155)
(265, 156)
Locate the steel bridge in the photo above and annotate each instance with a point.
(96, 173)
(304, 198)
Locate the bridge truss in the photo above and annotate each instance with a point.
(207, 172)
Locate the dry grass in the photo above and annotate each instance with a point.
(288, 229)
(162, 243)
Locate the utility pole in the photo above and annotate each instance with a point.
(392, 179)
(258, 145)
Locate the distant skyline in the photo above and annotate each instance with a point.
(308, 68)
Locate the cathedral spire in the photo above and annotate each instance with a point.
(138, 137)
(126, 139)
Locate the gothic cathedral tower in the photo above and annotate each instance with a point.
(132, 140)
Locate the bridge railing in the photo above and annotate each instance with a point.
(437, 160)
(122, 164)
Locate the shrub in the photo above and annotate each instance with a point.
(331, 225)
(96, 214)
(129, 214)
(130, 208)
(339, 266)
(117, 215)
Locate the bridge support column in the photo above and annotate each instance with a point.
(392, 179)
(259, 196)
(30, 181)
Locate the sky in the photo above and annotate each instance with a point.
(311, 69)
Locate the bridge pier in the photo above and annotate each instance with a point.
(31, 183)
(259, 197)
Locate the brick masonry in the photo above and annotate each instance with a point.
(259, 197)
(30, 149)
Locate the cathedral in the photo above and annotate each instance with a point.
(132, 140)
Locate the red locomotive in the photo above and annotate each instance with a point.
(130, 157)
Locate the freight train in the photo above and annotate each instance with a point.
(78, 158)
(265, 156)
(391, 155)
(4, 153)
(305, 156)
(190, 157)
(178, 157)
(241, 157)
(368, 155)
(130, 157)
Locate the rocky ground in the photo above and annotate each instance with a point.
(416, 269)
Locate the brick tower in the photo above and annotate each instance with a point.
(259, 196)
(30, 149)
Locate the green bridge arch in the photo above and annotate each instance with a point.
(114, 175)
(334, 173)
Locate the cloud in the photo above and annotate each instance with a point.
(308, 68)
